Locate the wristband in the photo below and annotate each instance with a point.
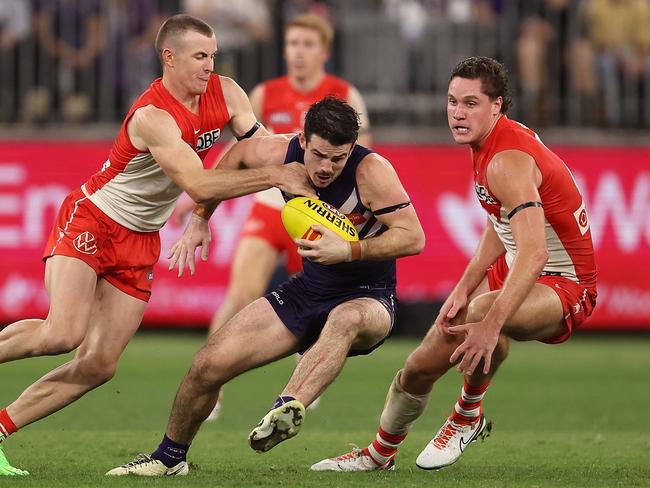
(202, 212)
(355, 248)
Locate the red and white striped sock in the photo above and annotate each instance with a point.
(7, 427)
(384, 447)
(468, 407)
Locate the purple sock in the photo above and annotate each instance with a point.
(170, 453)
(282, 400)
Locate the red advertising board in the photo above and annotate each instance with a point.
(35, 177)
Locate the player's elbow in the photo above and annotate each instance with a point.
(539, 257)
(197, 193)
(416, 243)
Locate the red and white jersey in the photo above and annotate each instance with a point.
(131, 188)
(284, 107)
(283, 112)
(568, 236)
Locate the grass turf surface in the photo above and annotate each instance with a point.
(569, 415)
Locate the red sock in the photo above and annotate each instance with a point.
(384, 447)
(7, 427)
(468, 407)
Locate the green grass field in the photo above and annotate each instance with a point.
(570, 415)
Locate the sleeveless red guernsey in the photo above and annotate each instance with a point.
(131, 187)
(285, 107)
(568, 236)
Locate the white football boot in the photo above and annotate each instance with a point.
(279, 424)
(144, 465)
(450, 442)
(355, 460)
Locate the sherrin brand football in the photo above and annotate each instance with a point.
(300, 213)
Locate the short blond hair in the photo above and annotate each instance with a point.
(316, 23)
(178, 24)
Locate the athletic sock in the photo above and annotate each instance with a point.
(282, 400)
(468, 407)
(384, 447)
(400, 411)
(7, 426)
(170, 453)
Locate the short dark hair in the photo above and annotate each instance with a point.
(178, 24)
(333, 120)
(493, 76)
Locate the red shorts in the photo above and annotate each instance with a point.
(265, 223)
(577, 301)
(123, 257)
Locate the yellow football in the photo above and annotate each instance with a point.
(300, 213)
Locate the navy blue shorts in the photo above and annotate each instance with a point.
(304, 310)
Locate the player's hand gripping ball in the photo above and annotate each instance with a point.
(300, 213)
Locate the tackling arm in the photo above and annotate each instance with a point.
(154, 129)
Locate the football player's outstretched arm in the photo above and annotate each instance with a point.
(256, 154)
(155, 130)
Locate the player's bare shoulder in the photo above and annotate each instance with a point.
(272, 147)
(149, 124)
(373, 167)
(234, 95)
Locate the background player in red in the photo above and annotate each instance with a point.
(533, 276)
(100, 255)
(281, 104)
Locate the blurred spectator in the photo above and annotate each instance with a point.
(412, 18)
(132, 61)
(239, 26)
(15, 23)
(71, 38)
(293, 8)
(620, 32)
(554, 61)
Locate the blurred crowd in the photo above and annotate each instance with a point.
(572, 62)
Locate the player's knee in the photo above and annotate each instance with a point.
(345, 324)
(93, 370)
(56, 340)
(208, 369)
(422, 366)
(418, 370)
(478, 308)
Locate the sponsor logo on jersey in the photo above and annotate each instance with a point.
(279, 118)
(277, 297)
(85, 243)
(207, 139)
(483, 195)
(356, 218)
(150, 275)
(581, 218)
